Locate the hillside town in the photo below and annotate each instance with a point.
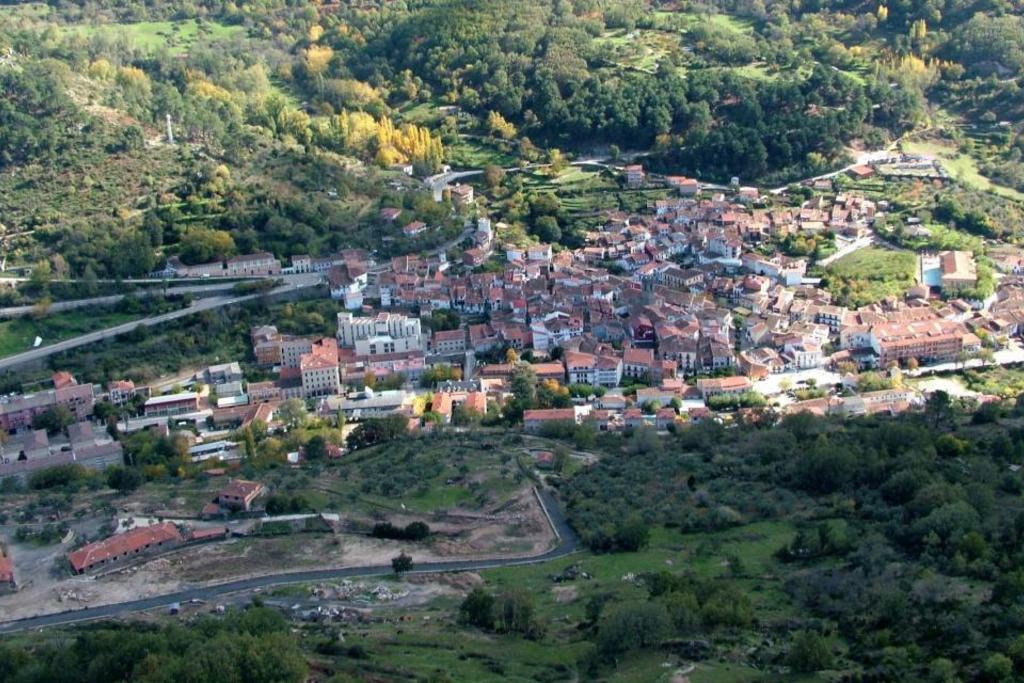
(670, 315)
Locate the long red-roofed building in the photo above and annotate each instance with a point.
(122, 546)
(533, 419)
(6, 573)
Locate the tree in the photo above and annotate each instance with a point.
(316, 59)
(938, 409)
(292, 412)
(632, 625)
(123, 479)
(401, 564)
(40, 277)
(683, 610)
(378, 430)
(557, 161)
(523, 384)
(202, 245)
(478, 609)
(632, 535)
(250, 442)
(997, 667)
(499, 127)
(316, 448)
(514, 612)
(41, 309)
(54, 420)
(918, 30)
(90, 283)
(809, 653)
(494, 176)
(942, 670)
(546, 229)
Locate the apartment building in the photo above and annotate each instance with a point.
(931, 341)
(273, 348)
(383, 333)
(16, 413)
(321, 375)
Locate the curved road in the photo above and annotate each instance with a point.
(567, 543)
(109, 299)
(33, 355)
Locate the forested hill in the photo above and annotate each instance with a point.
(550, 71)
(290, 116)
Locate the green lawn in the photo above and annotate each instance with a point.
(666, 19)
(871, 274)
(638, 49)
(17, 335)
(421, 113)
(477, 153)
(176, 36)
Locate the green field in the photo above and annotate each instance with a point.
(431, 641)
(176, 36)
(585, 191)
(27, 10)
(961, 167)
(17, 335)
(477, 153)
(869, 275)
(639, 49)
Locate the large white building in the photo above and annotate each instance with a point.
(384, 333)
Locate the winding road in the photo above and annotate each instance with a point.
(111, 299)
(567, 544)
(291, 284)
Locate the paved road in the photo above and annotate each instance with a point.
(567, 545)
(198, 306)
(110, 299)
(464, 235)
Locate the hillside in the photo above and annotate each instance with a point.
(283, 115)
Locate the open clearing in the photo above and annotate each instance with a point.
(871, 274)
(18, 334)
(519, 530)
(427, 639)
(962, 167)
(176, 36)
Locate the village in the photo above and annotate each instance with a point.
(663, 317)
(688, 306)
(683, 313)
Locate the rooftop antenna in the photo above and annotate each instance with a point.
(170, 133)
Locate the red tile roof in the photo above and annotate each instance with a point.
(546, 414)
(123, 544)
(241, 488)
(477, 400)
(6, 568)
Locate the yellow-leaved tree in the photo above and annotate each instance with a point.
(316, 60)
(499, 127)
(360, 134)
